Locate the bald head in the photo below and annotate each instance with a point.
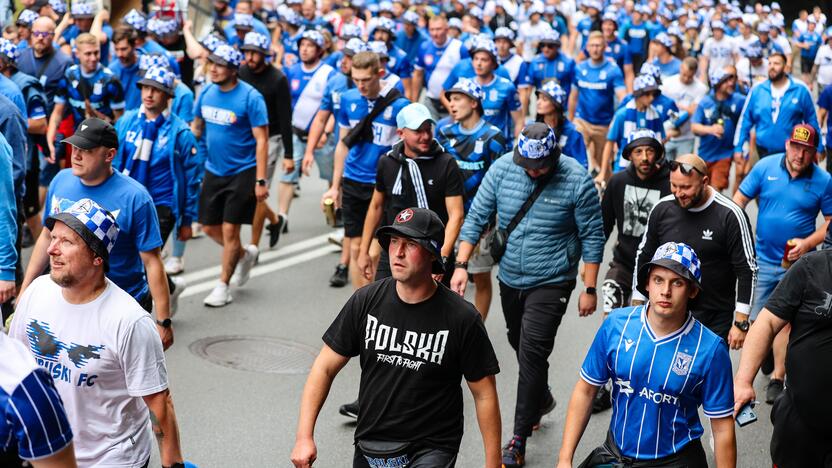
(43, 34)
(44, 23)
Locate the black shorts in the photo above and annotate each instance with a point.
(793, 442)
(806, 65)
(228, 199)
(167, 222)
(31, 199)
(355, 201)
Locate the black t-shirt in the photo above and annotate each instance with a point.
(412, 357)
(186, 64)
(441, 178)
(804, 298)
(274, 86)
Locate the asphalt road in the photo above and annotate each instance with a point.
(245, 418)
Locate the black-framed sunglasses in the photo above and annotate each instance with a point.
(684, 167)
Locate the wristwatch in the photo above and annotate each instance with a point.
(591, 290)
(743, 326)
(463, 265)
(166, 323)
(261, 182)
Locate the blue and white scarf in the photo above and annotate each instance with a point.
(138, 167)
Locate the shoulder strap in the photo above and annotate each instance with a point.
(538, 189)
(45, 64)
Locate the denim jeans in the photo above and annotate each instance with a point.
(768, 276)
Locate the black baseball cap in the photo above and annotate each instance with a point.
(93, 133)
(421, 225)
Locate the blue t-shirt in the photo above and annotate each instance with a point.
(474, 151)
(636, 38)
(670, 68)
(229, 117)
(815, 40)
(290, 48)
(518, 70)
(501, 99)
(8, 215)
(102, 88)
(572, 143)
(561, 69)
(398, 63)
(128, 77)
(73, 31)
(659, 383)
(362, 160)
(9, 89)
(708, 112)
(410, 45)
(52, 74)
(307, 88)
(337, 85)
(131, 205)
(438, 63)
(788, 207)
(597, 85)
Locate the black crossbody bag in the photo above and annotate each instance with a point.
(499, 237)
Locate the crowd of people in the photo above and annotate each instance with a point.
(454, 137)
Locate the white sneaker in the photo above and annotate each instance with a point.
(174, 265)
(337, 238)
(196, 230)
(219, 297)
(244, 266)
(180, 285)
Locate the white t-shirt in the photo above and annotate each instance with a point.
(750, 74)
(720, 53)
(777, 94)
(743, 42)
(684, 95)
(784, 44)
(531, 33)
(103, 356)
(824, 62)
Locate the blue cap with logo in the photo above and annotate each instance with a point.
(95, 225)
(413, 116)
(677, 257)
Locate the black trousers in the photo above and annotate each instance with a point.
(167, 222)
(794, 443)
(532, 319)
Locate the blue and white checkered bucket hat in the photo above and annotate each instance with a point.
(677, 257)
(385, 24)
(9, 51)
(211, 41)
(314, 36)
(717, 76)
(380, 48)
(467, 87)
(59, 6)
(26, 18)
(644, 84)
(136, 20)
(147, 61)
(349, 30)
(354, 46)
(504, 33)
(484, 45)
(162, 27)
(550, 37)
(664, 39)
(410, 17)
(243, 21)
(537, 147)
(158, 77)
(553, 91)
(226, 56)
(95, 225)
(82, 10)
(256, 42)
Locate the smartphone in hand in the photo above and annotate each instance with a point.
(747, 415)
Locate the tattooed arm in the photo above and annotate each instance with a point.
(165, 427)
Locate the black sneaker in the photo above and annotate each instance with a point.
(275, 230)
(603, 400)
(514, 453)
(773, 390)
(349, 410)
(547, 407)
(339, 279)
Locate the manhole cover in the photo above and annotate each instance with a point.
(256, 354)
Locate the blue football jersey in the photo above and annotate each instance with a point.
(659, 383)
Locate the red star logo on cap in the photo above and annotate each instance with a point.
(404, 216)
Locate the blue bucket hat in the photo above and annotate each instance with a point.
(349, 30)
(314, 36)
(82, 10)
(162, 27)
(537, 147)
(664, 39)
(354, 46)
(410, 17)
(211, 41)
(384, 24)
(243, 21)
(58, 6)
(9, 51)
(677, 257)
(504, 33)
(95, 225)
(226, 56)
(26, 18)
(644, 84)
(550, 37)
(484, 45)
(648, 68)
(380, 48)
(148, 61)
(553, 91)
(717, 76)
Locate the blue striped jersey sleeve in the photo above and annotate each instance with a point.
(595, 370)
(718, 385)
(36, 417)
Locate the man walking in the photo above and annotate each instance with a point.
(136, 260)
(81, 326)
(411, 402)
(537, 271)
(677, 366)
(234, 119)
(720, 232)
(435, 61)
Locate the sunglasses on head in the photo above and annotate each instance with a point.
(684, 167)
